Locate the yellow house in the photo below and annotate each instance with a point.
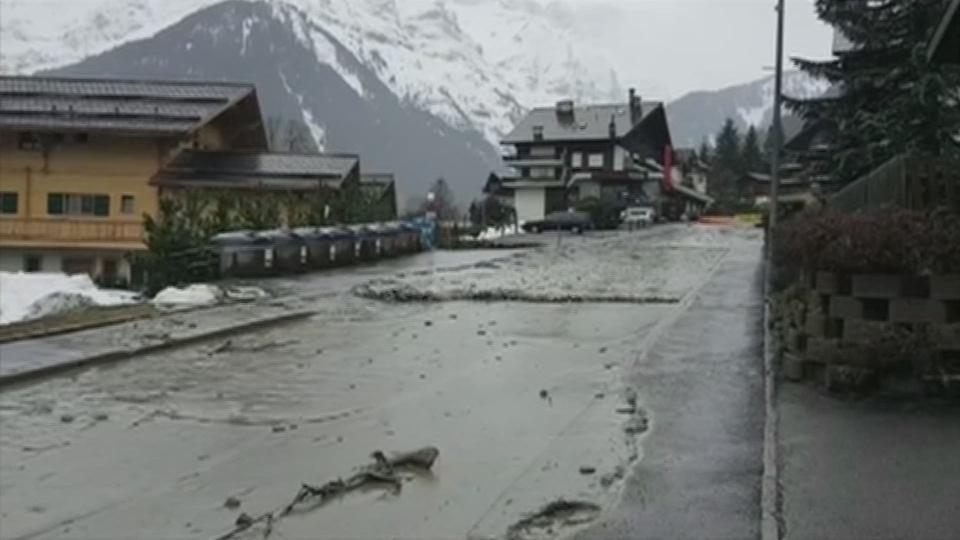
(77, 157)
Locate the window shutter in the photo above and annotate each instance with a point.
(54, 204)
(101, 205)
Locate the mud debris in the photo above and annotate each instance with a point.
(548, 522)
(636, 425)
(232, 503)
(66, 418)
(587, 470)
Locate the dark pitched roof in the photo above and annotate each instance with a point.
(588, 123)
(250, 170)
(122, 106)
(377, 184)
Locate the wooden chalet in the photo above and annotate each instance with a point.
(567, 152)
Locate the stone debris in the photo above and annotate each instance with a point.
(232, 503)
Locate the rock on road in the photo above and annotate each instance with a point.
(643, 398)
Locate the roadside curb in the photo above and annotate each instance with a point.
(127, 353)
(771, 522)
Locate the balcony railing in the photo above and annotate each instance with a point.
(70, 230)
(533, 161)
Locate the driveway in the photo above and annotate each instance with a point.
(619, 373)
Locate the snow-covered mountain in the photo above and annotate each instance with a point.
(475, 64)
(424, 88)
(304, 74)
(701, 114)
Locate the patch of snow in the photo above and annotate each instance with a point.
(473, 64)
(193, 295)
(495, 233)
(754, 116)
(27, 296)
(317, 131)
(247, 24)
(240, 293)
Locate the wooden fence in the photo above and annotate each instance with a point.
(910, 182)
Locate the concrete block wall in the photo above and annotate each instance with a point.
(849, 312)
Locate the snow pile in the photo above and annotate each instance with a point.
(31, 296)
(495, 233)
(244, 293)
(191, 295)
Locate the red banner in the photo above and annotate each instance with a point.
(667, 168)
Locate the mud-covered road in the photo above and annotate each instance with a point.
(619, 373)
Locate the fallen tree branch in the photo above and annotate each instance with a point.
(383, 472)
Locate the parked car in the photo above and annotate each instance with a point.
(575, 222)
(639, 216)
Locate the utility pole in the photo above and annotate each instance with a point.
(777, 130)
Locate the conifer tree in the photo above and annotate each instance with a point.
(887, 97)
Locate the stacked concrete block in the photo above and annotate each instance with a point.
(846, 314)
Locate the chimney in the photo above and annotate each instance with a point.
(565, 110)
(636, 107)
(613, 126)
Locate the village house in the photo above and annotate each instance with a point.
(614, 152)
(84, 160)
(380, 191)
(303, 188)
(695, 173)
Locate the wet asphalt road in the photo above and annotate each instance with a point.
(703, 378)
(519, 398)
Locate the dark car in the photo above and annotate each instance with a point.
(575, 222)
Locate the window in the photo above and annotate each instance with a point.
(538, 133)
(81, 138)
(80, 265)
(576, 160)
(32, 263)
(126, 204)
(541, 172)
(28, 141)
(596, 161)
(542, 151)
(75, 204)
(9, 201)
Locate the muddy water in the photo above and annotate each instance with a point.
(521, 400)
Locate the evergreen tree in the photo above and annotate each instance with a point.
(726, 168)
(727, 152)
(750, 154)
(888, 97)
(704, 153)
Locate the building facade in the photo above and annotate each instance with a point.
(78, 156)
(84, 161)
(566, 153)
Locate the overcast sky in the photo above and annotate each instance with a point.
(669, 47)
